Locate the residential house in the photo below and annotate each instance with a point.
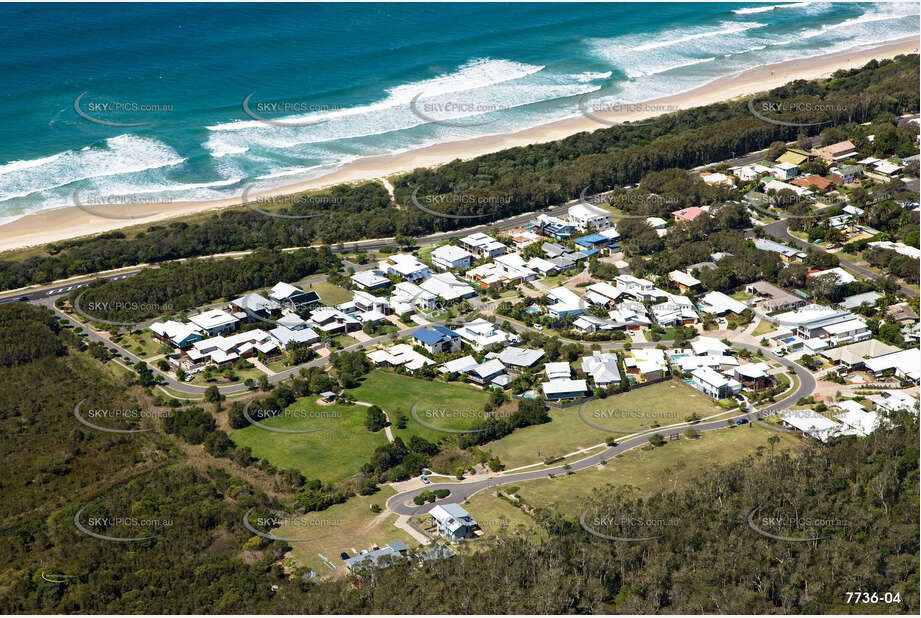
(631, 315)
(676, 311)
(855, 301)
(255, 306)
(718, 303)
(709, 346)
(407, 297)
(215, 322)
(603, 294)
(852, 356)
(558, 371)
(447, 257)
(890, 401)
(447, 287)
(753, 375)
(794, 156)
(176, 333)
(453, 522)
(564, 388)
(603, 367)
(646, 364)
(517, 359)
(846, 174)
(370, 279)
(638, 289)
(220, 349)
(585, 216)
(553, 227)
(814, 180)
(594, 241)
(566, 303)
(905, 364)
(405, 266)
(786, 253)
(438, 340)
(285, 336)
(811, 423)
(514, 267)
(292, 297)
(684, 281)
(481, 334)
(784, 171)
(483, 245)
(331, 321)
(714, 384)
(836, 152)
(773, 298)
(588, 323)
(688, 214)
(401, 354)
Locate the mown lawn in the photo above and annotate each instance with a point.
(667, 402)
(336, 452)
(764, 327)
(452, 405)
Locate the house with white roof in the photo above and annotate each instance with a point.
(714, 384)
(718, 303)
(255, 306)
(812, 424)
(481, 334)
(843, 277)
(407, 297)
(215, 322)
(558, 370)
(676, 311)
(639, 289)
(400, 354)
(292, 297)
(778, 186)
(221, 349)
(784, 171)
(603, 293)
(906, 364)
(331, 321)
(405, 266)
(684, 281)
(176, 333)
(848, 331)
(689, 363)
(898, 247)
(811, 320)
(856, 300)
(646, 363)
(542, 266)
(588, 323)
(514, 266)
(709, 345)
(447, 287)
(459, 365)
(453, 522)
(630, 315)
(585, 215)
(750, 172)
(370, 279)
(447, 257)
(602, 367)
(483, 245)
(859, 422)
(892, 400)
(518, 359)
(286, 336)
(566, 303)
(753, 375)
(564, 388)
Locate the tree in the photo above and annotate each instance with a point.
(657, 439)
(375, 419)
(213, 395)
(772, 440)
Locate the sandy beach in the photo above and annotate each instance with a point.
(64, 223)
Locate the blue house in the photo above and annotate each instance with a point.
(593, 241)
(438, 340)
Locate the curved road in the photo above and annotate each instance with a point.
(402, 503)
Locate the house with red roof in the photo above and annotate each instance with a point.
(688, 214)
(822, 184)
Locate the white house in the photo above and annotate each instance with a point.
(179, 334)
(447, 287)
(370, 279)
(558, 371)
(400, 354)
(481, 334)
(785, 171)
(586, 215)
(564, 388)
(709, 345)
(714, 384)
(407, 297)
(483, 245)
(811, 423)
(405, 266)
(449, 256)
(566, 302)
(718, 303)
(602, 367)
(215, 322)
(452, 521)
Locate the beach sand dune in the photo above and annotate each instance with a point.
(65, 223)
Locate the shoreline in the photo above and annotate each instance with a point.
(58, 224)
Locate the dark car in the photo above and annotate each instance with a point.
(344, 556)
(23, 299)
(741, 421)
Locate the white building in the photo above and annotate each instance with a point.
(564, 389)
(784, 171)
(405, 266)
(718, 303)
(586, 215)
(449, 256)
(812, 424)
(215, 322)
(483, 245)
(407, 297)
(447, 287)
(906, 364)
(481, 334)
(602, 367)
(709, 345)
(558, 371)
(400, 354)
(370, 279)
(714, 384)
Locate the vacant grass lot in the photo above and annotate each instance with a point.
(452, 405)
(674, 465)
(330, 294)
(334, 453)
(764, 327)
(348, 527)
(631, 411)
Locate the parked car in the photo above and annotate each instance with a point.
(741, 421)
(344, 556)
(425, 479)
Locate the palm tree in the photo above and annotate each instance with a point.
(772, 441)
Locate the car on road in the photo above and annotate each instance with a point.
(741, 421)
(425, 479)
(23, 299)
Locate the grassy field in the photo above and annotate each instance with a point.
(496, 516)
(330, 294)
(142, 344)
(451, 405)
(348, 527)
(332, 454)
(764, 327)
(668, 467)
(630, 411)
(241, 375)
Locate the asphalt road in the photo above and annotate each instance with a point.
(779, 230)
(402, 503)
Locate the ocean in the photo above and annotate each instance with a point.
(199, 101)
